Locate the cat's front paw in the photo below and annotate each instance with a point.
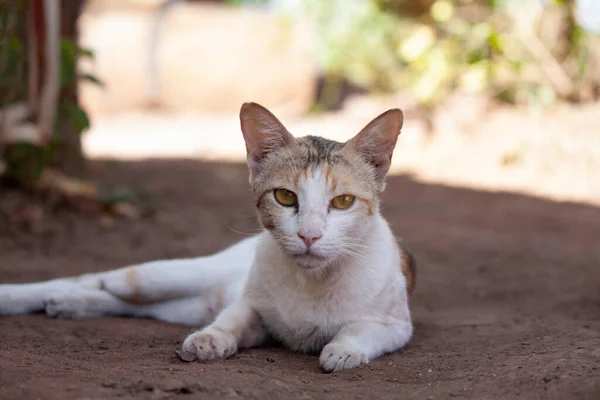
(341, 356)
(207, 345)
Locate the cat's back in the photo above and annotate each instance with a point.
(408, 266)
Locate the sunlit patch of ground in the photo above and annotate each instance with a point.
(552, 153)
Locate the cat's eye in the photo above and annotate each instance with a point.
(286, 197)
(342, 202)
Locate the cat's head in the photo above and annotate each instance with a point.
(317, 197)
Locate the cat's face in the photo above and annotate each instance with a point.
(315, 196)
(316, 201)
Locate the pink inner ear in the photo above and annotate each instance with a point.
(263, 133)
(376, 141)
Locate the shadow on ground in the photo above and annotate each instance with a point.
(507, 302)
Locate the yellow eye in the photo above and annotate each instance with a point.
(342, 202)
(286, 198)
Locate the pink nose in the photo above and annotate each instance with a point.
(309, 240)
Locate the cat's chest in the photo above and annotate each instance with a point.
(304, 324)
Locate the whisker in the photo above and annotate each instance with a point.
(245, 233)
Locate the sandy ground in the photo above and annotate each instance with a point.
(506, 305)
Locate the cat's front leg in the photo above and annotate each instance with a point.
(359, 342)
(238, 326)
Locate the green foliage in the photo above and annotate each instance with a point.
(74, 115)
(433, 47)
(24, 162)
(68, 110)
(238, 3)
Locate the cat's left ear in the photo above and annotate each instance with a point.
(376, 141)
(263, 134)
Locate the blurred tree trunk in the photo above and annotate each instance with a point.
(68, 155)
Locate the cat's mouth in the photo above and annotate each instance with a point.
(312, 254)
(309, 259)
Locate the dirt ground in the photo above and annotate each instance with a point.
(507, 302)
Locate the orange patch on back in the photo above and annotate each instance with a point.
(409, 268)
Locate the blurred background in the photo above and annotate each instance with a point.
(497, 94)
(114, 110)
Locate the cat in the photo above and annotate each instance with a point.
(325, 276)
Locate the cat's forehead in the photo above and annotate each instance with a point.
(316, 161)
(315, 150)
(320, 162)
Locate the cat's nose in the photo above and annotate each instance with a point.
(309, 239)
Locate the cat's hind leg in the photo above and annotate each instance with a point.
(142, 290)
(80, 303)
(176, 279)
(28, 298)
(199, 310)
(94, 303)
(72, 300)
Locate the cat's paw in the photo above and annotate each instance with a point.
(341, 356)
(207, 345)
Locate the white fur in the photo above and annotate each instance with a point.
(342, 231)
(347, 300)
(352, 313)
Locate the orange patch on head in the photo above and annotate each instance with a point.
(305, 173)
(327, 170)
(268, 225)
(367, 202)
(334, 183)
(297, 178)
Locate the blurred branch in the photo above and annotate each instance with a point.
(156, 26)
(547, 63)
(32, 62)
(51, 85)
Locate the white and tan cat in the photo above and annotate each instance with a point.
(327, 275)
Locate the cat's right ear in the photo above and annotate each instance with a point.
(263, 133)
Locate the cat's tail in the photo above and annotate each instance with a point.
(216, 279)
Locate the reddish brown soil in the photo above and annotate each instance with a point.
(507, 303)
